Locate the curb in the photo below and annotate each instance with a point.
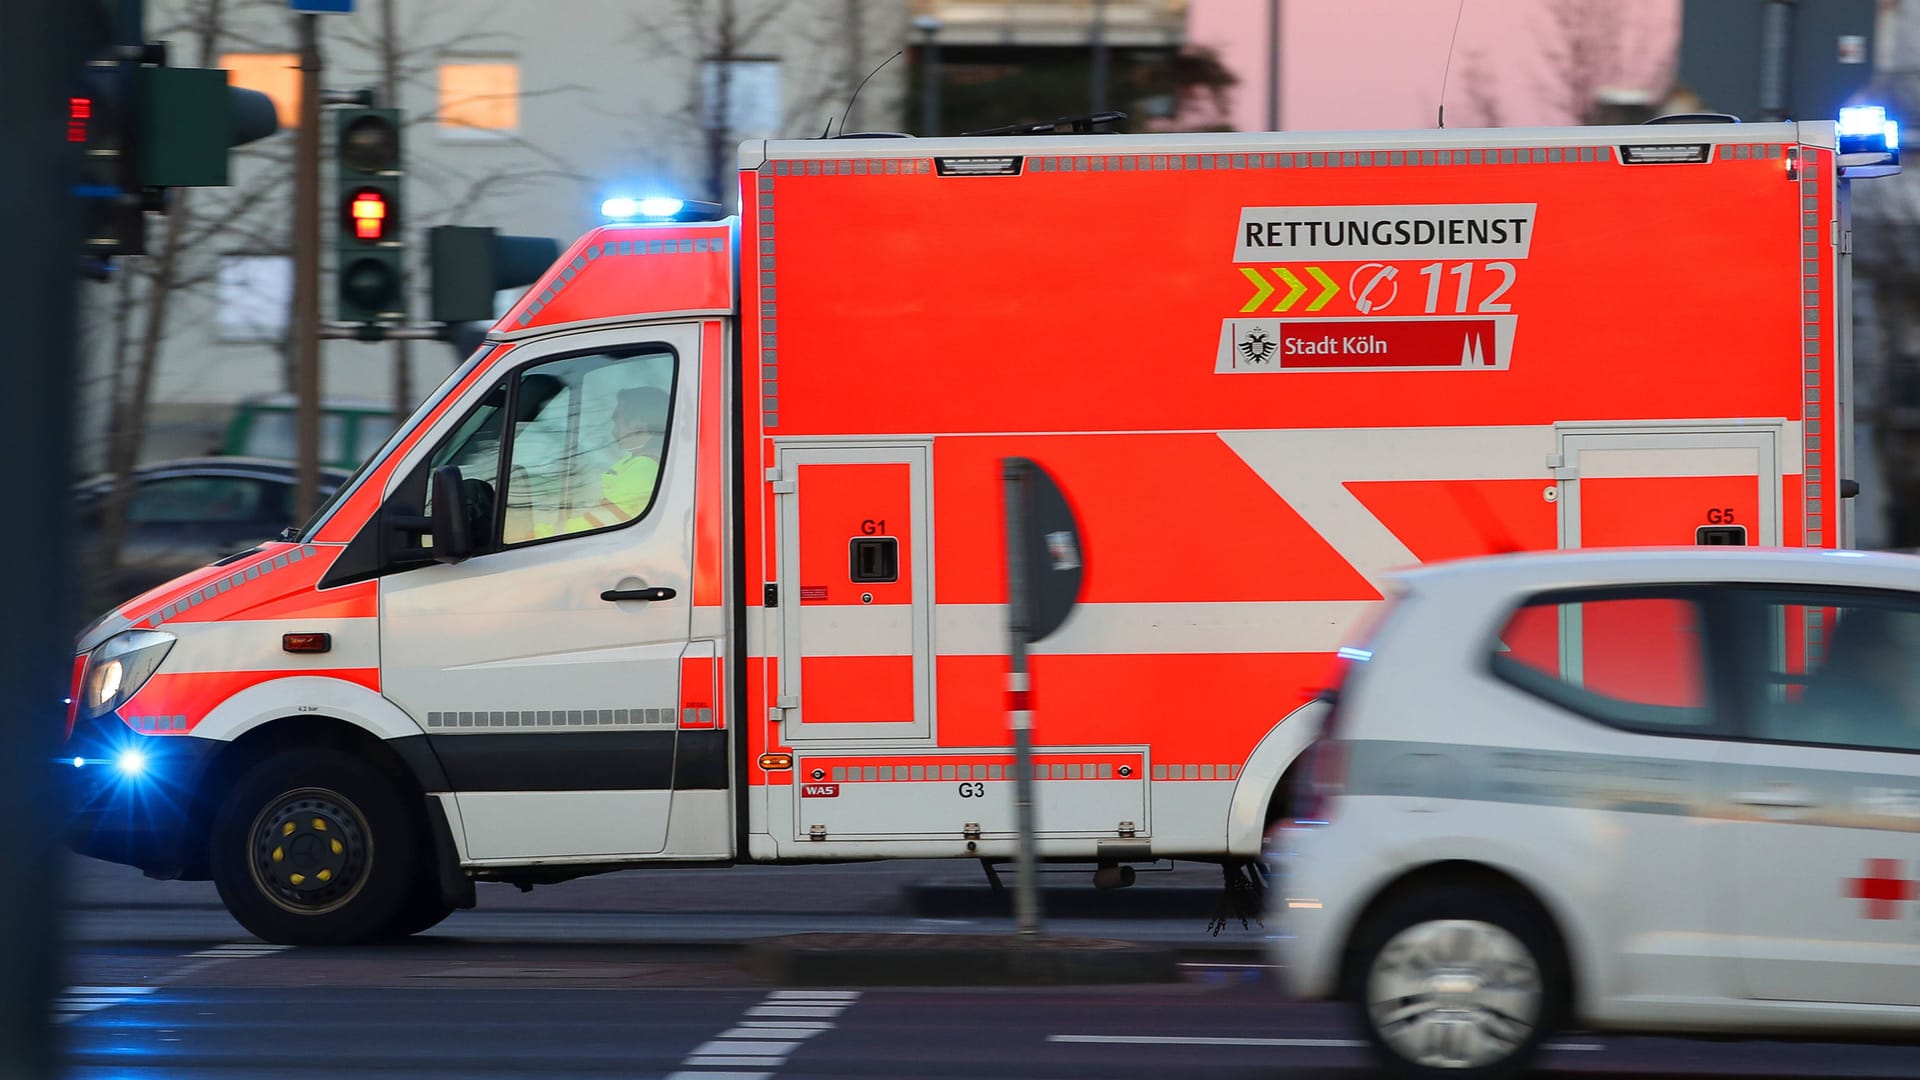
(955, 960)
(1138, 902)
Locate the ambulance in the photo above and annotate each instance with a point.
(1265, 369)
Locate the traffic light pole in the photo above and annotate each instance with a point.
(306, 274)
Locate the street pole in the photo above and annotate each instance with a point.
(390, 97)
(306, 274)
(1776, 52)
(40, 56)
(1099, 56)
(929, 76)
(1273, 65)
(1026, 889)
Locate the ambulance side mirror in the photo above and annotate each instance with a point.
(452, 531)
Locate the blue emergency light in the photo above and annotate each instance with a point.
(1869, 141)
(653, 208)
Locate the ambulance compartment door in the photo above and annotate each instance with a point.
(1634, 486)
(856, 595)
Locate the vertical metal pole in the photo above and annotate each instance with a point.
(1776, 54)
(1099, 56)
(930, 85)
(40, 63)
(856, 51)
(390, 97)
(1026, 889)
(306, 273)
(1273, 65)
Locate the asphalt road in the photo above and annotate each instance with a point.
(639, 975)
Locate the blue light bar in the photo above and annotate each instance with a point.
(653, 207)
(1863, 120)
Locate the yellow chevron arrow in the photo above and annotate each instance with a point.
(1260, 283)
(1326, 283)
(1296, 288)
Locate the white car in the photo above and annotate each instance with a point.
(1652, 791)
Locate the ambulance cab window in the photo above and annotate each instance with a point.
(589, 443)
(474, 446)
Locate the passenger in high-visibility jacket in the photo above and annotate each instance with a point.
(640, 426)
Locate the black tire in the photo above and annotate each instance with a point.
(422, 911)
(1487, 954)
(314, 847)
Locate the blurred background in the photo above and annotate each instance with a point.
(518, 120)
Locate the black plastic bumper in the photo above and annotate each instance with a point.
(141, 818)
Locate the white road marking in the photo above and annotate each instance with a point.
(1235, 1040)
(766, 1044)
(770, 1033)
(767, 1047)
(823, 1012)
(76, 1001)
(236, 949)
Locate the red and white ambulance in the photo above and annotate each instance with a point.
(1265, 369)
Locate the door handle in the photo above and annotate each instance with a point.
(658, 592)
(1781, 797)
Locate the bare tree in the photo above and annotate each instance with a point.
(716, 39)
(1591, 46)
(1476, 85)
(137, 318)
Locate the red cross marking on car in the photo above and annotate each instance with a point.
(1883, 888)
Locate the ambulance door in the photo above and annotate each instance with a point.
(1693, 485)
(545, 669)
(856, 595)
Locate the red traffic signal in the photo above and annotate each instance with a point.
(368, 215)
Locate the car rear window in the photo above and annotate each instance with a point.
(1636, 662)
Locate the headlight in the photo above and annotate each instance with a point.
(120, 667)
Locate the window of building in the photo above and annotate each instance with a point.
(1835, 669)
(1635, 662)
(742, 97)
(479, 98)
(256, 292)
(276, 75)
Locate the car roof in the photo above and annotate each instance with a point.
(1582, 567)
(275, 468)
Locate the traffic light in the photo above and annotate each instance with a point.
(371, 270)
(469, 264)
(144, 127)
(100, 120)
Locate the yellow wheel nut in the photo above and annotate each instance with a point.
(338, 847)
(325, 875)
(279, 854)
(297, 878)
(320, 824)
(287, 829)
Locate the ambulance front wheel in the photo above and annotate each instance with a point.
(313, 847)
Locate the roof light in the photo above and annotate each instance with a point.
(1892, 131)
(658, 207)
(131, 762)
(1863, 120)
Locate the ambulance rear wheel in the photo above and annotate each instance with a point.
(1457, 982)
(314, 847)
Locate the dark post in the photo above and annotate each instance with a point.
(1273, 65)
(929, 28)
(1026, 891)
(1099, 35)
(40, 58)
(306, 273)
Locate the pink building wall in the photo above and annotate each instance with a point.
(1377, 64)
